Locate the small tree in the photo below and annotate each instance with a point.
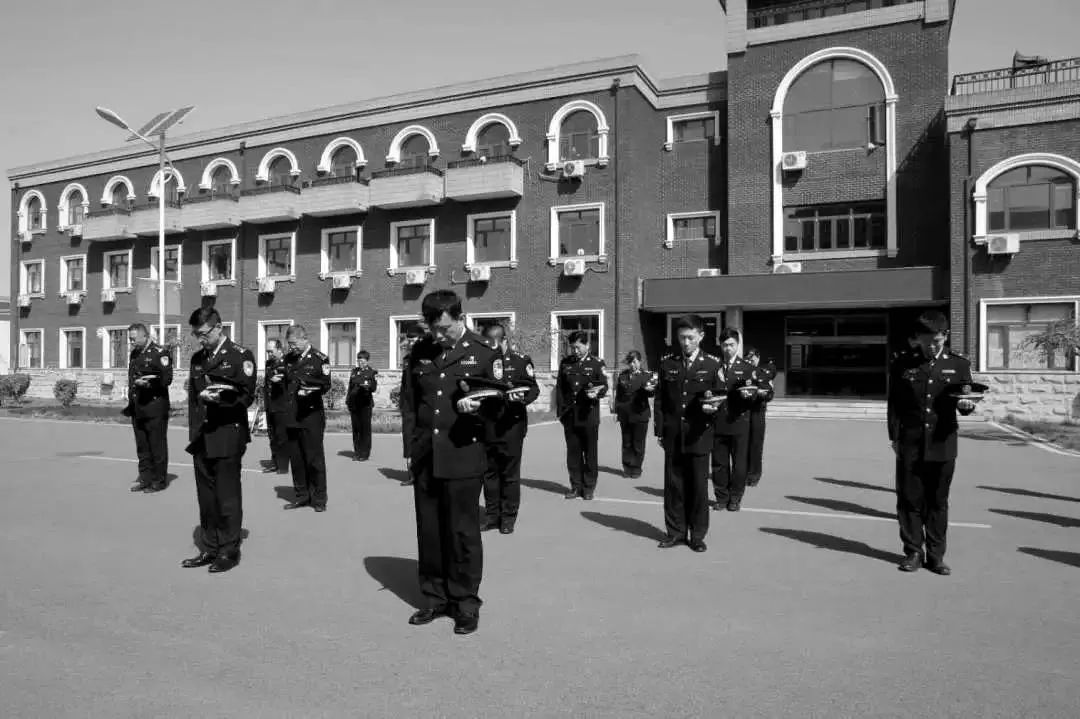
(536, 342)
(13, 387)
(336, 394)
(65, 391)
(1059, 339)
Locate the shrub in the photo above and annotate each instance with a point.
(14, 387)
(336, 396)
(395, 397)
(259, 384)
(64, 391)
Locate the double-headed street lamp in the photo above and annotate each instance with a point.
(157, 126)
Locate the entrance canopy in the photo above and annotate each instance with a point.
(895, 287)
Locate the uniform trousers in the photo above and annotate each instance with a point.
(634, 435)
(361, 431)
(686, 494)
(221, 514)
(450, 551)
(729, 457)
(757, 443)
(278, 434)
(922, 504)
(309, 461)
(502, 480)
(582, 452)
(152, 448)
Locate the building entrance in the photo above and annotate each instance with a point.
(837, 355)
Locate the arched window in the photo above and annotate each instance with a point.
(119, 195)
(172, 194)
(837, 104)
(1033, 197)
(75, 210)
(343, 163)
(33, 214)
(414, 152)
(579, 138)
(221, 181)
(280, 171)
(493, 141)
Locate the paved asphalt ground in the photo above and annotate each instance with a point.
(796, 610)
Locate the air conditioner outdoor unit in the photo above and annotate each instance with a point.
(74, 297)
(73, 230)
(415, 277)
(708, 272)
(267, 285)
(24, 300)
(786, 268)
(792, 161)
(209, 289)
(1003, 244)
(479, 273)
(573, 268)
(108, 295)
(26, 236)
(342, 281)
(573, 168)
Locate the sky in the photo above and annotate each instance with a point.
(240, 60)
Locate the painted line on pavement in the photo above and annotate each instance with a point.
(135, 461)
(1033, 441)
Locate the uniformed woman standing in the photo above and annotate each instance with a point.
(633, 389)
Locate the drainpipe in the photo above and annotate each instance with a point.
(969, 130)
(240, 234)
(13, 278)
(618, 213)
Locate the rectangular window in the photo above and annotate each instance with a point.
(31, 349)
(695, 130)
(491, 238)
(227, 330)
(694, 228)
(71, 348)
(74, 275)
(342, 247)
(117, 270)
(479, 322)
(411, 243)
(172, 263)
(1011, 327)
(218, 264)
(340, 341)
(579, 145)
(117, 349)
(578, 231)
(36, 218)
(272, 330)
(835, 227)
(400, 328)
(276, 256)
(32, 278)
(172, 342)
(76, 213)
(565, 324)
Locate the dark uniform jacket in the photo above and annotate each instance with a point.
(152, 400)
(572, 405)
(678, 417)
(922, 415)
(766, 373)
(408, 415)
(309, 369)
(362, 386)
(631, 397)
(221, 428)
(275, 396)
(734, 415)
(511, 416)
(455, 442)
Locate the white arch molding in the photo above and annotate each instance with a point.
(171, 175)
(335, 145)
(263, 174)
(394, 155)
(24, 216)
(106, 195)
(490, 119)
(556, 124)
(1059, 162)
(64, 204)
(777, 118)
(207, 180)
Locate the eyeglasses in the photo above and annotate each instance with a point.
(200, 334)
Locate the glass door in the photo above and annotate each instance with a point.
(837, 355)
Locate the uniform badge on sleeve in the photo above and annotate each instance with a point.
(326, 368)
(249, 367)
(164, 360)
(529, 370)
(497, 369)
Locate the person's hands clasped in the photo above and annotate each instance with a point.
(467, 406)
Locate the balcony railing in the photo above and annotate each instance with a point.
(333, 180)
(108, 212)
(210, 197)
(799, 10)
(1013, 78)
(269, 189)
(398, 171)
(144, 217)
(212, 211)
(477, 162)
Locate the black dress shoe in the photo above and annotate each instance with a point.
(669, 542)
(587, 495)
(466, 624)
(572, 494)
(734, 505)
(697, 545)
(910, 563)
(320, 507)
(427, 616)
(297, 505)
(154, 488)
(752, 480)
(139, 487)
(939, 568)
(224, 563)
(202, 560)
(506, 529)
(718, 505)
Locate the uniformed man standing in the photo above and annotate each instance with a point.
(633, 388)
(150, 372)
(766, 373)
(689, 395)
(448, 460)
(922, 408)
(508, 425)
(579, 387)
(276, 405)
(408, 419)
(731, 444)
(307, 377)
(220, 390)
(360, 400)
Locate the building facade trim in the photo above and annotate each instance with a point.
(490, 119)
(979, 194)
(208, 174)
(263, 173)
(106, 194)
(394, 155)
(333, 146)
(555, 128)
(171, 175)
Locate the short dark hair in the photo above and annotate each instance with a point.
(931, 322)
(296, 331)
(728, 333)
(363, 354)
(436, 303)
(414, 331)
(495, 326)
(204, 316)
(139, 327)
(632, 355)
(690, 322)
(747, 351)
(578, 337)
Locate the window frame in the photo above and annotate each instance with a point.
(64, 206)
(176, 358)
(62, 336)
(393, 361)
(324, 250)
(669, 240)
(554, 134)
(471, 316)
(106, 278)
(984, 336)
(261, 272)
(672, 120)
(40, 331)
(984, 186)
(62, 289)
(554, 258)
(24, 277)
(470, 239)
(25, 221)
(872, 114)
(205, 261)
(396, 268)
(260, 342)
(835, 253)
(103, 332)
(179, 246)
(553, 352)
(324, 337)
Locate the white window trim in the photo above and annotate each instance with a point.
(669, 240)
(179, 262)
(24, 343)
(231, 330)
(260, 358)
(177, 359)
(982, 186)
(553, 256)
(64, 205)
(24, 217)
(394, 155)
(62, 289)
(263, 173)
(207, 180)
(335, 145)
(23, 288)
(482, 122)
(205, 261)
(718, 316)
(985, 303)
(395, 268)
(553, 355)
(555, 128)
(106, 280)
(62, 335)
(103, 333)
(106, 194)
(470, 240)
(393, 359)
(777, 122)
(470, 316)
(263, 239)
(324, 251)
(324, 335)
(713, 115)
(171, 175)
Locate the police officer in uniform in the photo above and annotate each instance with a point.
(731, 444)
(578, 389)
(359, 400)
(276, 406)
(150, 372)
(509, 422)
(307, 377)
(922, 408)
(689, 395)
(766, 373)
(220, 390)
(633, 388)
(448, 459)
(408, 420)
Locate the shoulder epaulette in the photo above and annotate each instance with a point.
(712, 357)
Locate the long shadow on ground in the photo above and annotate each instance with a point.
(285, 494)
(1054, 555)
(398, 475)
(399, 575)
(545, 485)
(836, 544)
(854, 485)
(1040, 517)
(839, 505)
(653, 491)
(1020, 492)
(636, 527)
